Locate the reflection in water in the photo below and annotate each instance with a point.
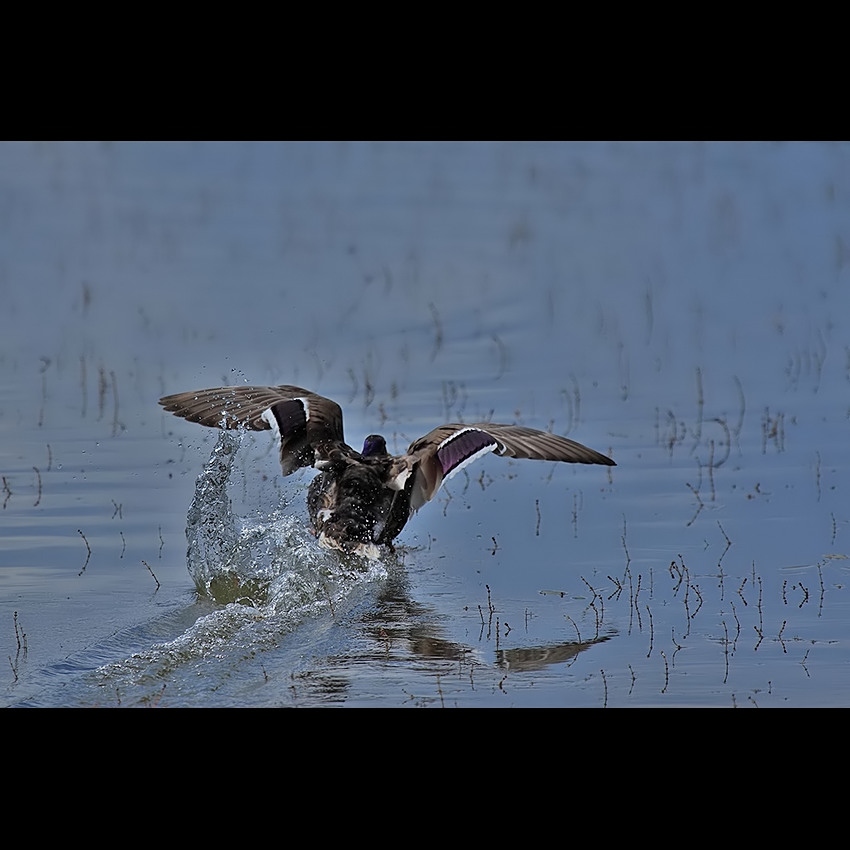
(397, 620)
(528, 658)
(398, 629)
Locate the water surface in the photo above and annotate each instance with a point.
(681, 307)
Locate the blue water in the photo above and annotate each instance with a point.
(682, 307)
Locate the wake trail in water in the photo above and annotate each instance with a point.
(263, 575)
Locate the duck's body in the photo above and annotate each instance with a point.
(362, 500)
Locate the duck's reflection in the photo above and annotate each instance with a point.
(398, 623)
(528, 658)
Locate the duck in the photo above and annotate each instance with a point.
(360, 501)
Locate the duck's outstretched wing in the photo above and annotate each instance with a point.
(301, 419)
(445, 450)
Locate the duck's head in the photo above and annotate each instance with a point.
(374, 446)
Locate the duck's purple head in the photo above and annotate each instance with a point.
(374, 446)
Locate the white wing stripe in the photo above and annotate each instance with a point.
(268, 416)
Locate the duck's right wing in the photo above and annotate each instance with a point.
(441, 453)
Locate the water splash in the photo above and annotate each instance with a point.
(210, 525)
(266, 560)
(267, 573)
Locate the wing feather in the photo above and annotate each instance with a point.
(449, 448)
(300, 418)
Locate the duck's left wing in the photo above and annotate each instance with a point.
(302, 419)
